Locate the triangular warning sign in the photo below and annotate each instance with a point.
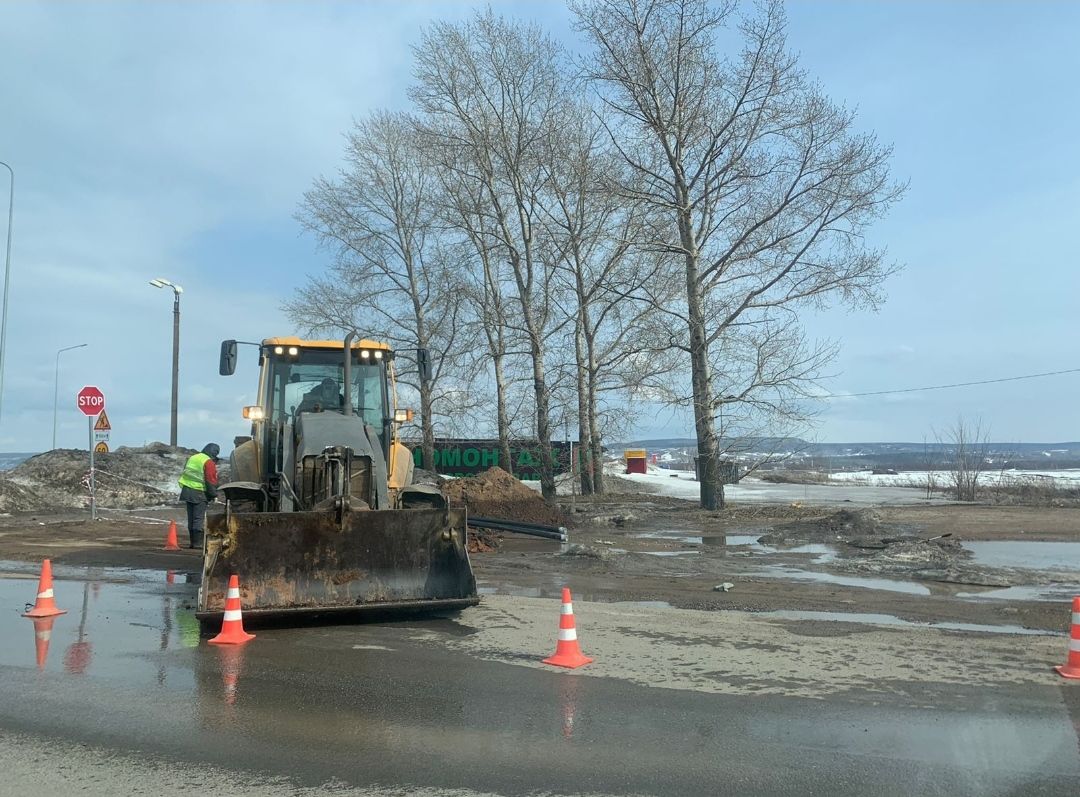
(102, 424)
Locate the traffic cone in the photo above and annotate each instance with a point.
(46, 604)
(232, 626)
(170, 539)
(170, 576)
(567, 652)
(1071, 667)
(42, 636)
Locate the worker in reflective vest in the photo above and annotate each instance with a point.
(198, 487)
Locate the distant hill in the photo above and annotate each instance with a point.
(738, 444)
(797, 453)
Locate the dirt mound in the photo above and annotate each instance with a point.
(843, 525)
(496, 494)
(16, 498)
(128, 478)
(482, 540)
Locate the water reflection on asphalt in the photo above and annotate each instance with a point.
(117, 626)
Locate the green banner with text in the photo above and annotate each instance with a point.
(469, 457)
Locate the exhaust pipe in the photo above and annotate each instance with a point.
(346, 407)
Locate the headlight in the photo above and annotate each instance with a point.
(279, 350)
(254, 413)
(364, 354)
(293, 351)
(378, 355)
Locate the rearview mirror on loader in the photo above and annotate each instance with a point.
(227, 365)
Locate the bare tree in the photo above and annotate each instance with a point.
(591, 229)
(493, 92)
(969, 445)
(482, 274)
(392, 276)
(930, 459)
(757, 187)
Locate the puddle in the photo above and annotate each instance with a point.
(128, 631)
(671, 553)
(734, 539)
(890, 620)
(1026, 555)
(673, 536)
(1062, 593)
(718, 540)
(186, 573)
(885, 584)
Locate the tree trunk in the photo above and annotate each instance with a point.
(712, 489)
(543, 422)
(596, 448)
(584, 432)
(427, 426)
(503, 421)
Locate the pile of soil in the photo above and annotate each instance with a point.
(845, 525)
(482, 541)
(496, 494)
(128, 478)
(16, 498)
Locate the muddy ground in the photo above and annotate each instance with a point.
(648, 548)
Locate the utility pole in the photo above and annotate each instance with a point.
(7, 278)
(177, 290)
(175, 367)
(56, 391)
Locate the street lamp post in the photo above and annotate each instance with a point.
(177, 290)
(56, 388)
(7, 278)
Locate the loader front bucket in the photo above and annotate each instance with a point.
(318, 564)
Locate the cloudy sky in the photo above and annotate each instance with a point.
(175, 140)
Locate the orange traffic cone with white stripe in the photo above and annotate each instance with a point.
(42, 637)
(171, 543)
(1071, 667)
(232, 626)
(567, 652)
(46, 603)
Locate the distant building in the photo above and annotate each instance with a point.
(636, 460)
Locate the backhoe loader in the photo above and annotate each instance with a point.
(321, 517)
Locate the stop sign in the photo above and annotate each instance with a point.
(90, 401)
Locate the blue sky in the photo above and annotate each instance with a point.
(176, 140)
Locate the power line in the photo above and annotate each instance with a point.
(956, 384)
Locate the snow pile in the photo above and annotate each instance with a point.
(128, 478)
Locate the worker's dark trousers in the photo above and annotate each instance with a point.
(196, 522)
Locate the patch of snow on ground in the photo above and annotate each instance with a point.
(1064, 478)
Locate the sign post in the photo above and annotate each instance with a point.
(91, 403)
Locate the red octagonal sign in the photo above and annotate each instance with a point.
(90, 401)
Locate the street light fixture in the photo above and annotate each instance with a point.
(56, 388)
(159, 282)
(7, 278)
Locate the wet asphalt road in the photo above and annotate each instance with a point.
(381, 706)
